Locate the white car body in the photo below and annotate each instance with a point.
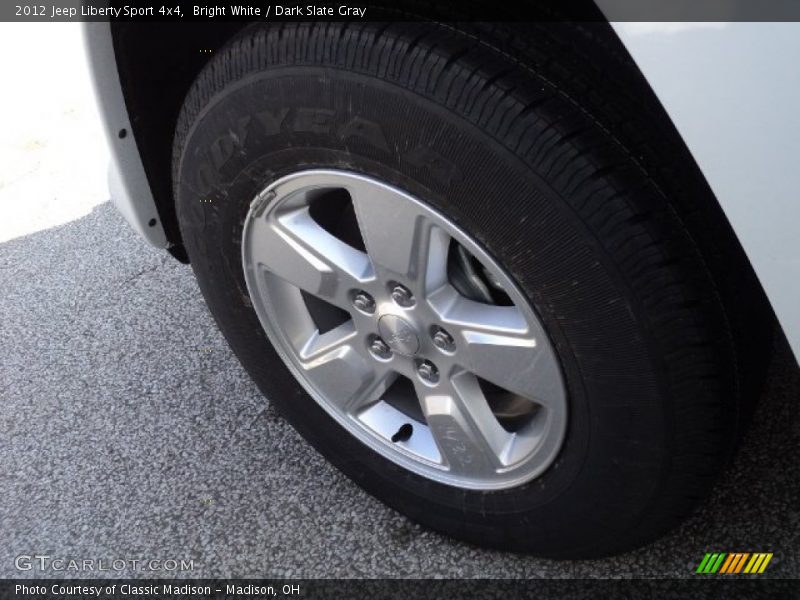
(731, 89)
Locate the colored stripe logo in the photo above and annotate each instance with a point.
(734, 563)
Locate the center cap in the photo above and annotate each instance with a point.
(399, 334)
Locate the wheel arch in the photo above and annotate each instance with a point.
(157, 64)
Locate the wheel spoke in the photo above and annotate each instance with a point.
(468, 435)
(351, 379)
(296, 249)
(497, 344)
(399, 237)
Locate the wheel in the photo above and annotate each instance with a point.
(409, 336)
(456, 285)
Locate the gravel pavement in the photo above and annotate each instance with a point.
(128, 430)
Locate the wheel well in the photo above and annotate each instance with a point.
(157, 64)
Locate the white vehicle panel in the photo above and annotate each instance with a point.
(127, 181)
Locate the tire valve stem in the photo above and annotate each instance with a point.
(403, 433)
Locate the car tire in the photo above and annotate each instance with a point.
(595, 247)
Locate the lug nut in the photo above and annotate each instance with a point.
(428, 371)
(443, 340)
(380, 348)
(402, 295)
(364, 302)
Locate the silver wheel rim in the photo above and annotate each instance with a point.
(406, 328)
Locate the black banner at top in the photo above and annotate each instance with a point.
(403, 10)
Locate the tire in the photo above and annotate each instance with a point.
(597, 249)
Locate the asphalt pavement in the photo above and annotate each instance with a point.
(128, 430)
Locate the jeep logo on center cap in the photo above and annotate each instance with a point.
(399, 335)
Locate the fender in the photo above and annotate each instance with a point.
(127, 181)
